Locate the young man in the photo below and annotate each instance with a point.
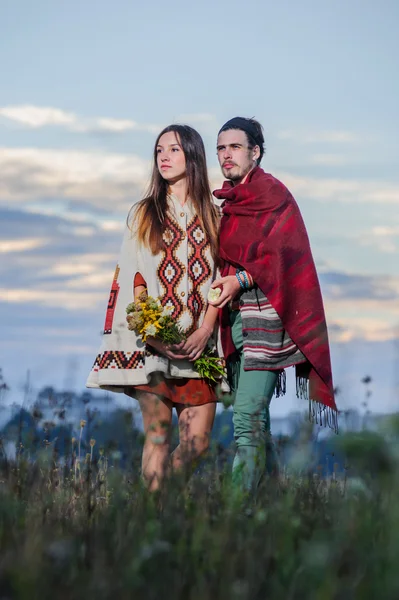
(272, 314)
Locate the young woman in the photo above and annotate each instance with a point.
(169, 251)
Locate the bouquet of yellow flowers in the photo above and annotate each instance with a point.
(147, 317)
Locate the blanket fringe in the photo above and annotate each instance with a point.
(318, 413)
(302, 388)
(323, 415)
(281, 385)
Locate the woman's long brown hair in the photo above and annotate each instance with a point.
(152, 211)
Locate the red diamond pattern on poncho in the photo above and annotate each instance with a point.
(117, 359)
(170, 269)
(199, 269)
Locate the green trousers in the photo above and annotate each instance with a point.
(253, 391)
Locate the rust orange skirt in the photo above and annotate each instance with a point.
(191, 392)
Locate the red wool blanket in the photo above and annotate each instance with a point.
(263, 232)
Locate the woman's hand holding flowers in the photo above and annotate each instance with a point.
(195, 344)
(171, 351)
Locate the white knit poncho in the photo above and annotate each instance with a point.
(181, 276)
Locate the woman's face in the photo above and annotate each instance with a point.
(171, 161)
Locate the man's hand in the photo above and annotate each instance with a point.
(195, 344)
(230, 288)
(173, 352)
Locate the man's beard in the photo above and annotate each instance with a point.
(237, 173)
(231, 175)
(235, 178)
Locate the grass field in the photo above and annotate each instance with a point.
(86, 528)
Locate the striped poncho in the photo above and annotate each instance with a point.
(267, 343)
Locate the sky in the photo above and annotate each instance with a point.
(86, 87)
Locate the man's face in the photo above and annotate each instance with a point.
(235, 158)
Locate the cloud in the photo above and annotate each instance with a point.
(73, 272)
(8, 246)
(330, 160)
(206, 122)
(113, 181)
(362, 328)
(344, 286)
(360, 306)
(64, 270)
(112, 125)
(109, 125)
(104, 178)
(57, 255)
(36, 117)
(341, 190)
(388, 309)
(317, 137)
(112, 225)
(95, 176)
(73, 300)
(383, 238)
(68, 278)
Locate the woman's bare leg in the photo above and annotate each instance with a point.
(157, 420)
(195, 426)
